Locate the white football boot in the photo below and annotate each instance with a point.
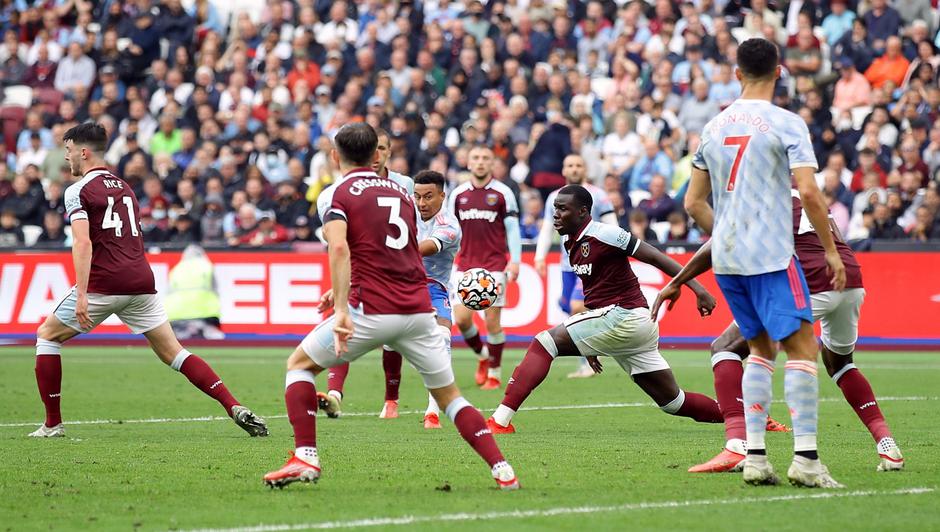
(808, 473)
(890, 454)
(758, 471)
(43, 431)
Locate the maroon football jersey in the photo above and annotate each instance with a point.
(387, 275)
(118, 263)
(481, 213)
(600, 256)
(812, 254)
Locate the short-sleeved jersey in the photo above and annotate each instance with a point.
(381, 229)
(444, 230)
(812, 254)
(600, 255)
(749, 150)
(599, 209)
(482, 213)
(403, 180)
(118, 263)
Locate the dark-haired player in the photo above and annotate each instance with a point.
(332, 401)
(744, 162)
(489, 219)
(574, 168)
(439, 241)
(617, 323)
(837, 313)
(112, 277)
(375, 264)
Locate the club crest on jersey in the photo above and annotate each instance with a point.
(585, 249)
(491, 199)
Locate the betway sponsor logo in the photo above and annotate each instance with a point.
(866, 405)
(214, 384)
(477, 214)
(479, 433)
(583, 269)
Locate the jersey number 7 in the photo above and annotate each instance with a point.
(741, 143)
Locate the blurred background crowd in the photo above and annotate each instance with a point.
(220, 112)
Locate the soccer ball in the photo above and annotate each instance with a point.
(478, 289)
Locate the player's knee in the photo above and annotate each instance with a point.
(835, 362)
(52, 331)
(548, 342)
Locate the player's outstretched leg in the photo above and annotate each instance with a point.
(471, 335)
(526, 377)
(473, 429)
(662, 388)
(391, 365)
(200, 374)
(857, 391)
(300, 395)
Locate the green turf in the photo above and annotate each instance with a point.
(183, 475)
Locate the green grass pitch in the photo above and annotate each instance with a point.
(604, 459)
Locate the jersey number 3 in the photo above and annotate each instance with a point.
(394, 218)
(741, 143)
(112, 220)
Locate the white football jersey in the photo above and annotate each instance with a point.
(749, 150)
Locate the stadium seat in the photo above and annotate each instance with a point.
(661, 229)
(18, 95)
(636, 196)
(49, 99)
(13, 118)
(31, 234)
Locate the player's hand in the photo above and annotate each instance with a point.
(342, 331)
(836, 270)
(669, 293)
(326, 301)
(81, 312)
(705, 303)
(540, 267)
(595, 364)
(512, 271)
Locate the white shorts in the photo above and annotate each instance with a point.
(500, 280)
(837, 313)
(141, 313)
(629, 336)
(415, 336)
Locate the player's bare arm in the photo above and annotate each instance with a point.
(696, 200)
(81, 257)
(429, 247)
(815, 207)
(652, 256)
(326, 301)
(700, 263)
(335, 233)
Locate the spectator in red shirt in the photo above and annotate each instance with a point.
(305, 69)
(892, 66)
(910, 155)
(266, 233)
(867, 162)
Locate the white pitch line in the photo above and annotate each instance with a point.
(413, 412)
(573, 510)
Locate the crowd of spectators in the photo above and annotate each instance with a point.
(220, 112)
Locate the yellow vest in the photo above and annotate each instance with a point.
(191, 295)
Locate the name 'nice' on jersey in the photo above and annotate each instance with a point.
(386, 268)
(444, 229)
(118, 263)
(482, 212)
(749, 150)
(599, 208)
